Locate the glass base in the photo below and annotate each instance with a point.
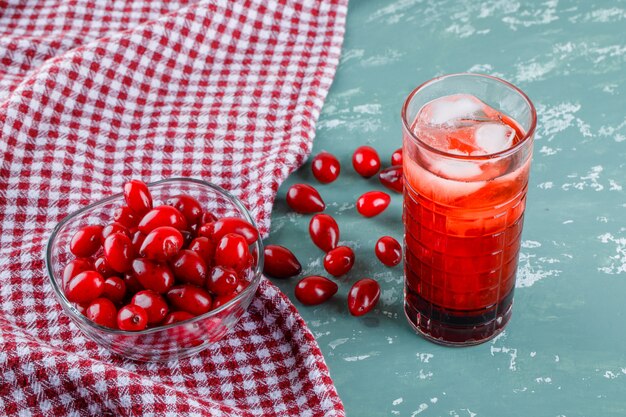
(459, 335)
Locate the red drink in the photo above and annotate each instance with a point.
(466, 170)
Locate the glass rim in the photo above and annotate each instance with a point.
(527, 135)
(76, 315)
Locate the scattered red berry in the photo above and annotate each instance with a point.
(392, 178)
(280, 262)
(372, 203)
(304, 199)
(363, 296)
(314, 290)
(325, 167)
(86, 241)
(102, 311)
(366, 161)
(138, 197)
(388, 251)
(396, 157)
(339, 261)
(132, 318)
(324, 232)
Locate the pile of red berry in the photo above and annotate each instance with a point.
(154, 266)
(280, 262)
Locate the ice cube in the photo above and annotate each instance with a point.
(438, 185)
(456, 170)
(494, 137)
(462, 124)
(449, 110)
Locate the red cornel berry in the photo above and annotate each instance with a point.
(222, 281)
(325, 167)
(126, 217)
(102, 266)
(152, 275)
(220, 300)
(137, 240)
(162, 216)
(232, 251)
(85, 287)
(372, 203)
(324, 232)
(102, 311)
(74, 268)
(205, 248)
(154, 304)
(138, 197)
(339, 261)
(280, 262)
(132, 318)
(119, 252)
(363, 296)
(396, 157)
(86, 241)
(304, 199)
(188, 206)
(226, 225)
(314, 290)
(114, 289)
(114, 227)
(176, 317)
(392, 178)
(366, 161)
(190, 268)
(189, 298)
(388, 251)
(162, 243)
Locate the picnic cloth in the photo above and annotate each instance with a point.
(94, 93)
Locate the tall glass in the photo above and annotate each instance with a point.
(463, 217)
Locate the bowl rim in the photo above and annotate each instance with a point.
(77, 315)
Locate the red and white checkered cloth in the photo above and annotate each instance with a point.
(93, 93)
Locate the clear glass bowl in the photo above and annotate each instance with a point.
(177, 340)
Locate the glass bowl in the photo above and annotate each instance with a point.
(178, 340)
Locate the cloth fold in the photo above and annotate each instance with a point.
(95, 93)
